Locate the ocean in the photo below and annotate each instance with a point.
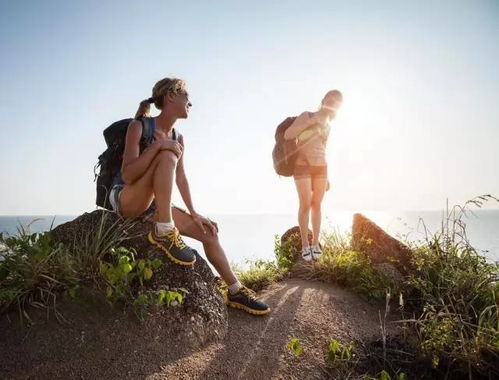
(251, 237)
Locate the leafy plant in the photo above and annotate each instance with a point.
(162, 297)
(90, 248)
(337, 351)
(125, 278)
(123, 270)
(294, 346)
(285, 253)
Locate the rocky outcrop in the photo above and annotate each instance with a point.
(291, 241)
(388, 255)
(391, 273)
(98, 333)
(381, 248)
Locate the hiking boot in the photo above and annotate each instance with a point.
(174, 247)
(245, 299)
(306, 253)
(316, 252)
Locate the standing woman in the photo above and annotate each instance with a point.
(147, 174)
(311, 130)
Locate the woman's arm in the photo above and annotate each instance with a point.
(185, 192)
(301, 123)
(135, 164)
(181, 180)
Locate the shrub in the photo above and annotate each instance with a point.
(33, 270)
(453, 290)
(260, 274)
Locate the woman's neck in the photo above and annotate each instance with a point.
(165, 122)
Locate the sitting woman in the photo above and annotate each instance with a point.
(147, 175)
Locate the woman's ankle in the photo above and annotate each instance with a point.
(163, 227)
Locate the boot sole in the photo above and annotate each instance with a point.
(168, 254)
(245, 308)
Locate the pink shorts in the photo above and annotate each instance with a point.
(304, 171)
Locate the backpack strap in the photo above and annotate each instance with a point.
(148, 131)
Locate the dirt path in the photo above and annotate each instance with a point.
(255, 346)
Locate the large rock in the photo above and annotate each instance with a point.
(381, 248)
(291, 243)
(391, 273)
(102, 336)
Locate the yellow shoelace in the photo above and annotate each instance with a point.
(248, 292)
(176, 238)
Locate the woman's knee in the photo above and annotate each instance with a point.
(305, 205)
(315, 204)
(209, 238)
(167, 157)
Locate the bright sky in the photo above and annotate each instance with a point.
(419, 123)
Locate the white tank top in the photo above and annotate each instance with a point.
(312, 146)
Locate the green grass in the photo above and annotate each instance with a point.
(351, 269)
(450, 298)
(339, 264)
(453, 296)
(35, 271)
(260, 274)
(94, 245)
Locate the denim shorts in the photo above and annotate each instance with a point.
(309, 171)
(114, 198)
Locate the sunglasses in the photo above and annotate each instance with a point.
(329, 108)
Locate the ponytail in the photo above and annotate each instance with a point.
(160, 89)
(144, 108)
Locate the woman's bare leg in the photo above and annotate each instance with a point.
(212, 248)
(304, 188)
(156, 183)
(319, 186)
(239, 298)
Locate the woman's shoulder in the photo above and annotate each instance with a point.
(306, 115)
(135, 127)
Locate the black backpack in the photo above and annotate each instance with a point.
(285, 151)
(110, 160)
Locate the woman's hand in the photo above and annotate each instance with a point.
(171, 145)
(205, 223)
